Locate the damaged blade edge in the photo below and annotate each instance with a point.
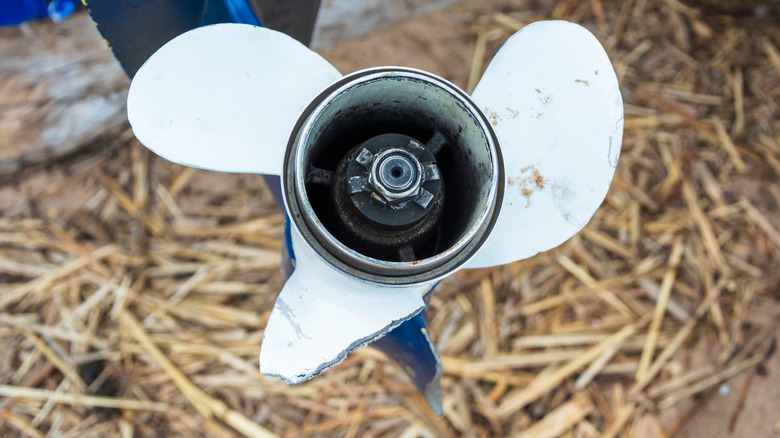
(362, 342)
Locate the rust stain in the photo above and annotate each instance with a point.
(492, 116)
(582, 81)
(544, 98)
(512, 113)
(529, 182)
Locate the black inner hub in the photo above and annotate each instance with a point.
(392, 181)
(387, 195)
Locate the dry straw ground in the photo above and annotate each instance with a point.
(134, 293)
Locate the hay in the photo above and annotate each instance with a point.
(134, 293)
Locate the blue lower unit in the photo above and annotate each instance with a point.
(410, 346)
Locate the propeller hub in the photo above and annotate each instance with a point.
(366, 170)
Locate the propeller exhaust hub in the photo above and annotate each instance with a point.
(366, 171)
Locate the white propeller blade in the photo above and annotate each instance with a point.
(225, 97)
(321, 315)
(552, 97)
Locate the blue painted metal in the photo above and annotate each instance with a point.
(410, 346)
(59, 10)
(240, 11)
(14, 12)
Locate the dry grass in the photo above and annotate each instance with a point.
(134, 293)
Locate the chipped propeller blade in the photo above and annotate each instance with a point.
(553, 99)
(321, 315)
(225, 97)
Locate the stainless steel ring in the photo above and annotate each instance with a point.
(443, 98)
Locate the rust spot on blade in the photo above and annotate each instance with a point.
(544, 97)
(582, 81)
(529, 181)
(539, 180)
(493, 116)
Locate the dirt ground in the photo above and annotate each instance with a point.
(97, 238)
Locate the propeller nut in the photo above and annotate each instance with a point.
(392, 181)
(396, 175)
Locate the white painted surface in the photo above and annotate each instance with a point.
(225, 97)
(321, 315)
(553, 99)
